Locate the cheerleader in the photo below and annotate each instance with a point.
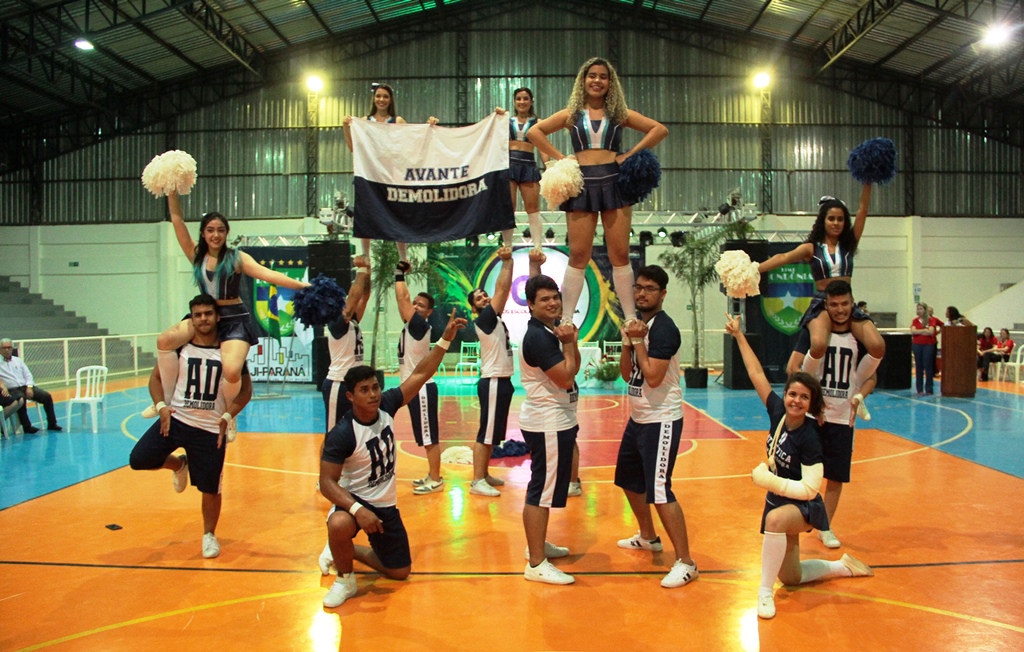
(792, 475)
(829, 249)
(522, 166)
(595, 117)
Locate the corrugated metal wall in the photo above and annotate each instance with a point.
(252, 151)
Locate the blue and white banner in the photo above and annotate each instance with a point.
(417, 183)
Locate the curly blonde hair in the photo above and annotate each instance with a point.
(614, 102)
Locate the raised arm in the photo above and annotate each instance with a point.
(404, 301)
(653, 369)
(255, 270)
(428, 365)
(346, 125)
(537, 260)
(654, 132)
(355, 303)
(185, 241)
(862, 211)
(798, 255)
(503, 285)
(538, 134)
(750, 361)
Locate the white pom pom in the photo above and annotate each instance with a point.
(739, 275)
(173, 171)
(561, 182)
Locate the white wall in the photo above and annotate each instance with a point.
(134, 279)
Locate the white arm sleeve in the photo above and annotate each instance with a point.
(804, 489)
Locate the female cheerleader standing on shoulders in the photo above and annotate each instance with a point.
(792, 475)
(522, 166)
(595, 117)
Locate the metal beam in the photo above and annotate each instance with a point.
(853, 30)
(224, 34)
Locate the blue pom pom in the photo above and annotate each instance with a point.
(638, 176)
(510, 448)
(873, 161)
(322, 302)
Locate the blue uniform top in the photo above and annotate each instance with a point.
(825, 265)
(595, 134)
(223, 283)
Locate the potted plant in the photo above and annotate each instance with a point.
(694, 264)
(384, 255)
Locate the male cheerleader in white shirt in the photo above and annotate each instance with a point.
(196, 420)
(843, 399)
(413, 346)
(650, 443)
(494, 389)
(547, 419)
(357, 473)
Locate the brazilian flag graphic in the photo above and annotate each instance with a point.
(789, 293)
(273, 304)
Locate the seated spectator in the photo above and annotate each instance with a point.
(1000, 352)
(16, 380)
(9, 404)
(863, 307)
(986, 344)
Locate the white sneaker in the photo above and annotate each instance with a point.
(421, 481)
(211, 548)
(829, 539)
(482, 488)
(551, 551)
(680, 574)
(637, 542)
(862, 411)
(856, 566)
(150, 412)
(326, 560)
(547, 573)
(343, 588)
(232, 431)
(181, 475)
(429, 487)
(575, 489)
(765, 606)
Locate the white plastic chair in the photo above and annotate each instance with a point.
(469, 358)
(90, 388)
(1014, 365)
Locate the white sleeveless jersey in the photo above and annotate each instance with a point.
(346, 351)
(197, 399)
(495, 345)
(836, 373)
(410, 349)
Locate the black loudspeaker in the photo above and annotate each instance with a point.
(894, 370)
(332, 258)
(734, 373)
(321, 360)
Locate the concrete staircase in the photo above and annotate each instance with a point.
(26, 315)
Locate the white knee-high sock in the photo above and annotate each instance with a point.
(810, 365)
(773, 552)
(365, 245)
(865, 368)
(572, 288)
(506, 237)
(167, 361)
(403, 250)
(536, 229)
(622, 279)
(816, 569)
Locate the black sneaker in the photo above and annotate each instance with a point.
(30, 430)
(54, 428)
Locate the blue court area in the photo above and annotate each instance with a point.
(988, 429)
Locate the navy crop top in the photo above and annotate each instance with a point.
(517, 131)
(825, 265)
(595, 134)
(222, 284)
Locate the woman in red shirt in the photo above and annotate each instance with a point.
(924, 344)
(1000, 352)
(987, 343)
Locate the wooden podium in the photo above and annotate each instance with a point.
(959, 361)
